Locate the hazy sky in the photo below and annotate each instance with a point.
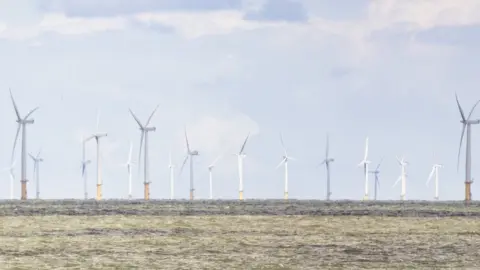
(387, 69)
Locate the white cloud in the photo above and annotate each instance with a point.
(423, 14)
(196, 24)
(59, 23)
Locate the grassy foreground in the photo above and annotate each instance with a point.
(238, 242)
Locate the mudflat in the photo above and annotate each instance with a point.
(242, 241)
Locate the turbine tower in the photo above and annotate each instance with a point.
(36, 171)
(240, 156)
(377, 182)
(12, 177)
(97, 135)
(365, 163)
(284, 161)
(402, 177)
(22, 124)
(84, 169)
(144, 129)
(327, 162)
(468, 160)
(190, 154)
(210, 176)
(435, 172)
(129, 164)
(171, 166)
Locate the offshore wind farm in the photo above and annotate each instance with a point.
(239, 134)
(240, 155)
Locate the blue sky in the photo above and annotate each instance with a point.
(383, 69)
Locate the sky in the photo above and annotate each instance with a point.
(386, 69)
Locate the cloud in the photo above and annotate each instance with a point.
(112, 8)
(60, 24)
(279, 10)
(341, 10)
(452, 35)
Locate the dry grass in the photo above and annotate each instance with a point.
(238, 242)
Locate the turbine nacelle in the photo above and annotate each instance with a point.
(25, 121)
(193, 153)
(147, 129)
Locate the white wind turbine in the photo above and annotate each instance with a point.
(284, 161)
(240, 156)
(22, 124)
(327, 162)
(36, 171)
(171, 166)
(210, 175)
(377, 181)
(402, 177)
(365, 163)
(434, 171)
(12, 177)
(129, 164)
(190, 154)
(97, 135)
(144, 129)
(84, 170)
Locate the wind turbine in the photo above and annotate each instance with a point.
(144, 129)
(97, 135)
(84, 169)
(129, 165)
(190, 154)
(468, 160)
(402, 177)
(365, 163)
(435, 172)
(171, 166)
(327, 162)
(12, 177)
(210, 177)
(22, 124)
(377, 182)
(36, 171)
(284, 161)
(240, 156)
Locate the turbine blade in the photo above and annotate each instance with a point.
(136, 119)
(183, 164)
(32, 156)
(460, 108)
(399, 161)
(380, 163)
(15, 106)
(244, 143)
(366, 149)
(283, 144)
(186, 140)
(15, 141)
(473, 108)
(280, 164)
(39, 152)
(398, 180)
(216, 160)
(170, 158)
(151, 115)
(321, 163)
(140, 151)
(430, 175)
(460, 146)
(30, 112)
